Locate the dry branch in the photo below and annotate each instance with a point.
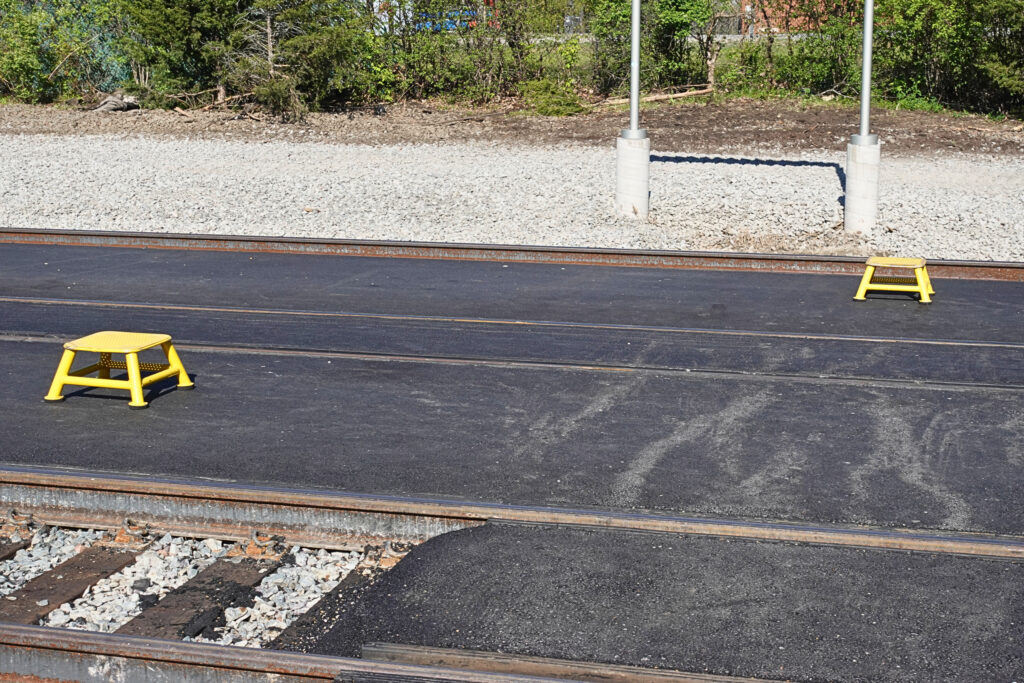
(662, 97)
(225, 101)
(194, 94)
(59, 65)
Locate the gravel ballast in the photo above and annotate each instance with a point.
(283, 596)
(49, 547)
(958, 206)
(112, 602)
(286, 593)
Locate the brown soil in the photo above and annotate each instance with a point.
(729, 126)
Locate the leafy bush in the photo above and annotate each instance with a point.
(549, 98)
(295, 55)
(59, 48)
(1002, 55)
(182, 45)
(677, 43)
(967, 54)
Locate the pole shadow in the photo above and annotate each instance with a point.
(838, 168)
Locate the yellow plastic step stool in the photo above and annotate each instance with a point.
(128, 343)
(920, 283)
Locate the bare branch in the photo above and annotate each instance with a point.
(59, 65)
(662, 97)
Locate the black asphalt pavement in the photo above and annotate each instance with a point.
(710, 444)
(694, 392)
(777, 354)
(702, 605)
(791, 303)
(701, 393)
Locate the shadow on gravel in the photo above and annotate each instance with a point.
(838, 168)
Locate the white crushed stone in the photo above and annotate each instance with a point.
(112, 602)
(49, 547)
(954, 206)
(283, 596)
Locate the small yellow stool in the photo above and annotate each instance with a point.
(920, 283)
(128, 343)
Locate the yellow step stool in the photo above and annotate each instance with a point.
(128, 343)
(920, 283)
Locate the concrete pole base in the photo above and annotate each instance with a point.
(863, 159)
(633, 175)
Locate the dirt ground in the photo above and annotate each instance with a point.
(724, 126)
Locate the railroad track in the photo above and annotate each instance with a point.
(251, 532)
(253, 529)
(785, 263)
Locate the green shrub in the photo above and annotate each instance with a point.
(281, 98)
(59, 48)
(549, 98)
(294, 55)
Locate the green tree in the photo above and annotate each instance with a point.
(292, 54)
(182, 45)
(678, 43)
(1002, 59)
(928, 48)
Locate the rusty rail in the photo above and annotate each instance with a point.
(699, 260)
(35, 653)
(320, 518)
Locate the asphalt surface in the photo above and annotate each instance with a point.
(694, 392)
(662, 298)
(716, 445)
(727, 395)
(701, 605)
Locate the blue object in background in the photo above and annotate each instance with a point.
(449, 21)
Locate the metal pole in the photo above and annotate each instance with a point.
(633, 147)
(865, 77)
(863, 154)
(634, 69)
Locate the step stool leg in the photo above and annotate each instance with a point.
(922, 284)
(864, 282)
(927, 280)
(135, 381)
(104, 372)
(175, 362)
(60, 376)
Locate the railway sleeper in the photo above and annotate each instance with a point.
(15, 534)
(70, 579)
(225, 589)
(9, 546)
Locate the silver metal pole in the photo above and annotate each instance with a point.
(633, 147)
(634, 70)
(863, 154)
(865, 77)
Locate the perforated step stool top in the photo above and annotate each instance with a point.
(895, 262)
(117, 342)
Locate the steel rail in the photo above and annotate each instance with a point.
(535, 666)
(512, 322)
(700, 260)
(316, 516)
(499, 362)
(27, 652)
